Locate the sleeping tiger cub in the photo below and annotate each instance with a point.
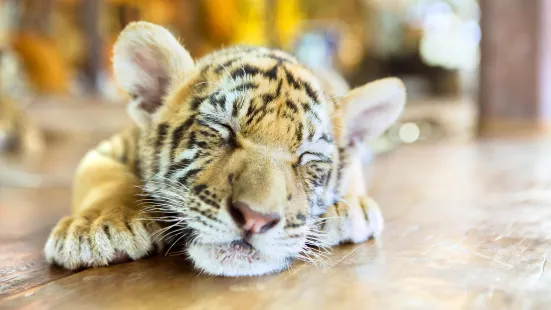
(243, 156)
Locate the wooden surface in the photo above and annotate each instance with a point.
(468, 227)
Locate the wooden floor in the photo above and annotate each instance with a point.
(468, 227)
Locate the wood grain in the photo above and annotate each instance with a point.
(26, 216)
(468, 227)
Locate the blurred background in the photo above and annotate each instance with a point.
(471, 67)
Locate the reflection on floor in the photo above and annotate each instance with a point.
(468, 227)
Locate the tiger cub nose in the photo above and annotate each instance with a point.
(250, 220)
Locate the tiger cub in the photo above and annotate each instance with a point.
(242, 156)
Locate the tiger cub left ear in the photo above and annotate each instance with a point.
(147, 61)
(371, 109)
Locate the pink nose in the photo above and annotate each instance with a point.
(252, 221)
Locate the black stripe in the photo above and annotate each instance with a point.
(318, 180)
(178, 134)
(299, 132)
(311, 132)
(340, 166)
(219, 100)
(322, 226)
(209, 120)
(272, 73)
(207, 133)
(292, 225)
(175, 167)
(193, 141)
(237, 105)
(251, 111)
(191, 173)
(329, 174)
(255, 114)
(196, 102)
(244, 70)
(161, 136)
(291, 105)
(182, 164)
(267, 98)
(306, 107)
(129, 228)
(107, 231)
(291, 80)
(322, 158)
(297, 83)
(311, 92)
(244, 86)
(252, 71)
(278, 89)
(326, 137)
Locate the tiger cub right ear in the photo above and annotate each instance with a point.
(147, 62)
(371, 109)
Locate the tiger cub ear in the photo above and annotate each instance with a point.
(371, 109)
(147, 61)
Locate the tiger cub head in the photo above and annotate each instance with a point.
(244, 149)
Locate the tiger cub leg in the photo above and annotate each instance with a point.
(106, 225)
(355, 219)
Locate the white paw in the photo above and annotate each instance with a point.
(82, 241)
(354, 222)
(373, 223)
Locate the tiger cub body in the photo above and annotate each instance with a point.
(243, 156)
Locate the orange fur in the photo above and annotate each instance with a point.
(248, 125)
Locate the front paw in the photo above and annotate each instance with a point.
(100, 238)
(355, 220)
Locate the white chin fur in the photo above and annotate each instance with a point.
(224, 260)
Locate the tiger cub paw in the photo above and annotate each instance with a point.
(353, 221)
(101, 238)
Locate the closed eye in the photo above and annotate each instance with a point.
(317, 157)
(225, 130)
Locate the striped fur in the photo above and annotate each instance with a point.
(245, 123)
